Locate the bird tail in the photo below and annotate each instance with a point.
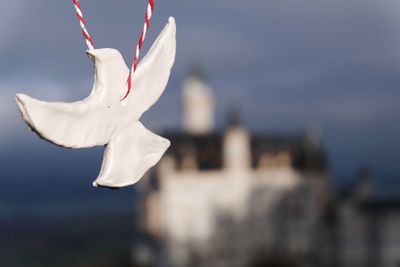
(129, 155)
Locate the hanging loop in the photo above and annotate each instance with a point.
(90, 44)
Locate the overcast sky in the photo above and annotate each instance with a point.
(289, 64)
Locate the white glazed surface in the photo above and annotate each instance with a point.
(102, 119)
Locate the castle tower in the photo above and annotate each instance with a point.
(198, 105)
(237, 154)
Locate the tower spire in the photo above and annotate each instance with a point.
(198, 104)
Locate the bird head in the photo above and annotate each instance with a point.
(104, 54)
(107, 62)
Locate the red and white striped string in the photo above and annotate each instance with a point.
(149, 12)
(82, 22)
(89, 41)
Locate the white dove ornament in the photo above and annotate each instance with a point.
(102, 119)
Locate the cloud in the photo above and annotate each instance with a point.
(288, 62)
(12, 15)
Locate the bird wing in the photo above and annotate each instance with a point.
(129, 155)
(152, 74)
(85, 123)
(71, 125)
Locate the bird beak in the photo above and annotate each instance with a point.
(91, 53)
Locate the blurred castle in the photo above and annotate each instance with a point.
(233, 198)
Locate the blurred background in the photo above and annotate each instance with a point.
(284, 122)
